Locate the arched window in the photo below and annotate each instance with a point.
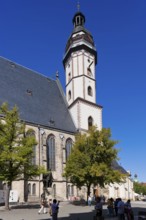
(51, 152)
(69, 95)
(90, 91)
(72, 190)
(29, 189)
(90, 122)
(34, 189)
(69, 190)
(68, 147)
(31, 133)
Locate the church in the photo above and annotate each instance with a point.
(56, 117)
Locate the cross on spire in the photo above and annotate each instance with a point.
(78, 6)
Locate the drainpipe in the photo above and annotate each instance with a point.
(39, 154)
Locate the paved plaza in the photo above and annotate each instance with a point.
(67, 211)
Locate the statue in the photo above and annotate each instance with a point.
(47, 179)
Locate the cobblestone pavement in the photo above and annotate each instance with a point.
(66, 212)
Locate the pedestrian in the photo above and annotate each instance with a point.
(89, 200)
(116, 206)
(121, 209)
(43, 205)
(128, 210)
(55, 209)
(98, 208)
(110, 206)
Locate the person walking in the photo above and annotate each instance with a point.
(116, 206)
(89, 200)
(98, 208)
(121, 209)
(110, 206)
(43, 206)
(128, 210)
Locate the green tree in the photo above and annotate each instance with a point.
(90, 161)
(139, 188)
(16, 150)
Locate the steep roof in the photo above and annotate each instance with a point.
(116, 166)
(39, 99)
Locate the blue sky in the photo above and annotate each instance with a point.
(34, 33)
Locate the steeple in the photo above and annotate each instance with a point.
(79, 62)
(80, 36)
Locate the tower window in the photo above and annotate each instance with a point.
(90, 93)
(69, 95)
(90, 122)
(69, 76)
(89, 72)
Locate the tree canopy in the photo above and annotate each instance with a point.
(140, 188)
(90, 161)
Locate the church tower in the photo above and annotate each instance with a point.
(79, 63)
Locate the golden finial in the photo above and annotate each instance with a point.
(78, 6)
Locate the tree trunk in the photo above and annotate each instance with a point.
(25, 190)
(88, 191)
(7, 195)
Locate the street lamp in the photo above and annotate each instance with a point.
(129, 184)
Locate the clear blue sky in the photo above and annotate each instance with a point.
(34, 33)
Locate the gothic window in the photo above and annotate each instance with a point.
(90, 122)
(90, 93)
(69, 95)
(31, 133)
(51, 152)
(68, 147)
(34, 189)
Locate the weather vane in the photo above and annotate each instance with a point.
(78, 6)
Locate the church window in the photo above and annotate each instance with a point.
(90, 93)
(69, 95)
(51, 152)
(72, 190)
(69, 190)
(31, 133)
(34, 189)
(68, 147)
(29, 189)
(90, 122)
